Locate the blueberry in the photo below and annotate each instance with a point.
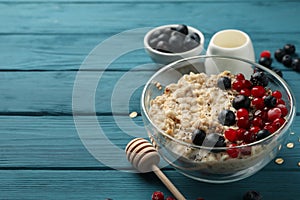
(241, 101)
(226, 118)
(195, 37)
(278, 72)
(198, 136)
(163, 37)
(270, 101)
(215, 140)
(296, 64)
(153, 42)
(167, 31)
(287, 60)
(175, 43)
(289, 49)
(155, 34)
(189, 43)
(224, 83)
(162, 46)
(265, 61)
(261, 134)
(182, 29)
(252, 195)
(259, 78)
(279, 53)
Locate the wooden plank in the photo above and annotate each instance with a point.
(40, 184)
(51, 93)
(33, 18)
(54, 143)
(67, 52)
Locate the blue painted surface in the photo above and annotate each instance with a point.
(42, 46)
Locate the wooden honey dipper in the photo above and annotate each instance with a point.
(144, 157)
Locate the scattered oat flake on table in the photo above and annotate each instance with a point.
(290, 145)
(133, 114)
(292, 133)
(279, 161)
(298, 164)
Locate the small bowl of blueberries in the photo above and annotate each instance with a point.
(168, 43)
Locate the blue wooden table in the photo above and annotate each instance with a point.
(43, 45)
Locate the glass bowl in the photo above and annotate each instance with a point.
(212, 164)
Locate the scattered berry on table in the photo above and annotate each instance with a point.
(279, 53)
(296, 64)
(289, 49)
(158, 195)
(170, 198)
(227, 117)
(224, 83)
(278, 72)
(265, 54)
(287, 60)
(252, 195)
(198, 136)
(265, 61)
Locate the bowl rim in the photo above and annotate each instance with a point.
(284, 128)
(182, 54)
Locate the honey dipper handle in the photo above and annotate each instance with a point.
(167, 183)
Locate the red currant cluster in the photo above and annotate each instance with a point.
(259, 112)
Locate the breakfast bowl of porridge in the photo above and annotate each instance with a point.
(217, 125)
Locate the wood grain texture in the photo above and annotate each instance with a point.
(92, 185)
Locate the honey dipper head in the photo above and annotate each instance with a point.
(142, 154)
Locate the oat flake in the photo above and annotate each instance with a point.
(279, 161)
(133, 114)
(299, 164)
(290, 145)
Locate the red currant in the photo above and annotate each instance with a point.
(274, 113)
(262, 114)
(242, 112)
(248, 137)
(254, 129)
(258, 103)
(240, 133)
(158, 195)
(284, 110)
(240, 77)
(277, 123)
(277, 94)
(245, 92)
(243, 122)
(247, 84)
(280, 101)
(232, 151)
(230, 134)
(257, 121)
(270, 128)
(170, 198)
(237, 85)
(245, 150)
(266, 54)
(258, 91)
